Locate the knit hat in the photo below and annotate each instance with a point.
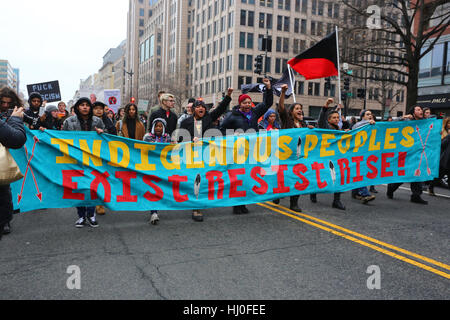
(244, 97)
(98, 104)
(51, 108)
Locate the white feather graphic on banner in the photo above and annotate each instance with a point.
(197, 183)
(332, 172)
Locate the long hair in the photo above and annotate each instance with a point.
(127, 113)
(9, 93)
(291, 109)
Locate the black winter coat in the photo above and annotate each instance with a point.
(445, 153)
(171, 121)
(12, 135)
(32, 118)
(207, 120)
(236, 120)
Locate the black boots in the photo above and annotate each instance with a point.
(337, 204)
(294, 204)
(240, 210)
(418, 199)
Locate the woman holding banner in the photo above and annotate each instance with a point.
(329, 118)
(244, 117)
(291, 118)
(199, 123)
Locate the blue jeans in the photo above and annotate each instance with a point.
(363, 192)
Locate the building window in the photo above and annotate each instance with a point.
(279, 23)
(249, 62)
(251, 18)
(250, 40)
(243, 17)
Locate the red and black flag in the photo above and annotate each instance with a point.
(319, 61)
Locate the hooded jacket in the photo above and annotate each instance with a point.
(31, 116)
(152, 137)
(76, 122)
(265, 122)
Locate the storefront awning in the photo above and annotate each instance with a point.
(435, 101)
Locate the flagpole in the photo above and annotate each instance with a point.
(338, 65)
(292, 82)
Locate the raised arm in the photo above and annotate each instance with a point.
(222, 107)
(262, 108)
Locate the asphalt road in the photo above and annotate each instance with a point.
(269, 254)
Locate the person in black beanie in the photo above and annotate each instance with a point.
(31, 116)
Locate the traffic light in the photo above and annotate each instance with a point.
(361, 93)
(133, 100)
(327, 84)
(343, 96)
(347, 84)
(258, 64)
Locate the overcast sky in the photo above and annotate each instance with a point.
(61, 40)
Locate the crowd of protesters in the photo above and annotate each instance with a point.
(161, 126)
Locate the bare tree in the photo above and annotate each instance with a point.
(401, 33)
(175, 83)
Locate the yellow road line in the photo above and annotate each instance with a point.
(381, 243)
(363, 243)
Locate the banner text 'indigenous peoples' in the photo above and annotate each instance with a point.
(70, 169)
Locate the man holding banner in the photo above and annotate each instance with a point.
(84, 120)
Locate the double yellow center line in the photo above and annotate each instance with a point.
(363, 240)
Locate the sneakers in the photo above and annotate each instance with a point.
(154, 219)
(80, 223)
(92, 222)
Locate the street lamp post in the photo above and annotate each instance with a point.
(130, 73)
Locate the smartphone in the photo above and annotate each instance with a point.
(9, 112)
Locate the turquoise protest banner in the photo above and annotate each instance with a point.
(70, 169)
